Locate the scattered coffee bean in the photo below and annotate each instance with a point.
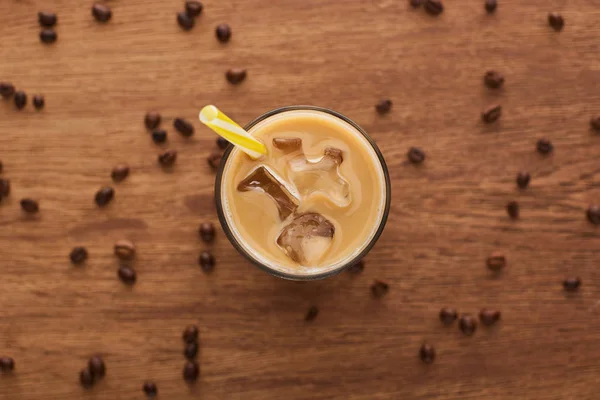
(127, 275)
(427, 353)
(357, 268)
(190, 334)
(152, 120)
(556, 21)
(97, 367)
(512, 208)
(594, 123)
(30, 206)
(434, 7)
(448, 315)
(223, 33)
(7, 89)
(493, 79)
(544, 146)
(119, 172)
(467, 324)
(48, 36)
(415, 155)
(184, 127)
(168, 158)
(523, 179)
(124, 249)
(47, 19)
(214, 160)
(311, 314)
(489, 317)
(20, 99)
(490, 6)
(207, 231)
(101, 12)
(491, 114)
(193, 8)
(38, 101)
(235, 75)
(104, 196)
(379, 289)
(222, 143)
(206, 261)
(415, 3)
(4, 187)
(593, 214)
(571, 284)
(150, 389)
(86, 378)
(191, 370)
(185, 21)
(159, 136)
(7, 364)
(78, 255)
(496, 261)
(383, 106)
(190, 350)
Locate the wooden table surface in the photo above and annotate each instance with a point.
(447, 215)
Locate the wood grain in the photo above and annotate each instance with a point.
(447, 215)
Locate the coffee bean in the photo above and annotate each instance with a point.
(48, 36)
(150, 389)
(235, 75)
(427, 353)
(523, 179)
(30, 206)
(379, 289)
(571, 284)
(490, 6)
(20, 99)
(104, 196)
(124, 249)
(415, 3)
(489, 317)
(101, 12)
(448, 315)
(222, 143)
(78, 255)
(214, 160)
(159, 136)
(86, 378)
(119, 172)
(127, 275)
(223, 33)
(207, 231)
(47, 19)
(185, 21)
(496, 261)
(7, 364)
(168, 158)
(467, 324)
(97, 367)
(184, 127)
(152, 120)
(595, 123)
(491, 114)
(311, 314)
(593, 214)
(7, 89)
(190, 350)
(190, 334)
(4, 187)
(556, 21)
(193, 8)
(206, 261)
(38, 101)
(415, 155)
(383, 106)
(512, 208)
(493, 79)
(544, 146)
(434, 7)
(191, 370)
(357, 268)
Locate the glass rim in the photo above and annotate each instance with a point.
(233, 239)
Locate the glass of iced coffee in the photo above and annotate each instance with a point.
(315, 204)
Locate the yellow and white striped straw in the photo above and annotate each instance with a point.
(212, 117)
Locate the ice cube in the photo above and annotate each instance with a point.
(262, 179)
(306, 238)
(287, 144)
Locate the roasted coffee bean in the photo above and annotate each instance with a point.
(491, 114)
(38, 101)
(467, 324)
(448, 315)
(512, 208)
(48, 36)
(223, 33)
(489, 317)
(150, 389)
(185, 21)
(86, 378)
(593, 214)
(119, 172)
(78, 255)
(159, 136)
(491, 5)
(207, 231)
(184, 127)
(7, 364)
(544, 146)
(206, 261)
(235, 75)
(595, 123)
(7, 89)
(379, 289)
(30, 206)
(222, 143)
(311, 314)
(493, 79)
(191, 370)
(415, 3)
(496, 261)
(556, 21)
(97, 367)
(104, 196)
(193, 8)
(434, 7)
(523, 179)
(357, 268)
(190, 350)
(168, 158)
(415, 155)
(152, 120)
(127, 275)
(190, 334)
(124, 249)
(214, 160)
(101, 12)
(571, 284)
(47, 19)
(20, 99)
(427, 353)
(4, 187)
(383, 106)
